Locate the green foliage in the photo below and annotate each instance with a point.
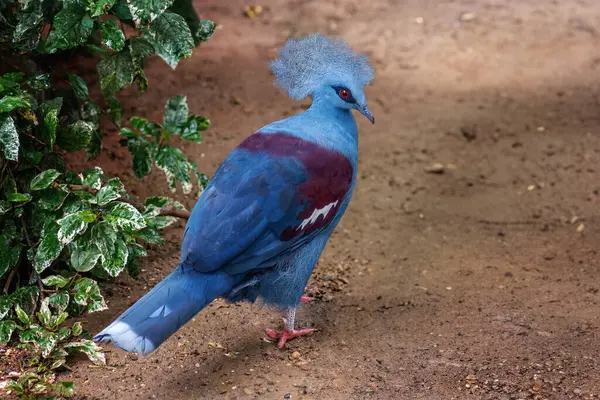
(49, 344)
(64, 232)
(149, 142)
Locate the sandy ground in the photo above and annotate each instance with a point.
(481, 282)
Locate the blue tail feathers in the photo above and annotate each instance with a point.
(165, 309)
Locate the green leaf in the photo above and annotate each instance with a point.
(124, 215)
(171, 37)
(44, 179)
(6, 303)
(9, 139)
(15, 77)
(122, 11)
(91, 349)
(9, 103)
(79, 86)
(176, 113)
(26, 298)
(49, 248)
(40, 82)
(112, 36)
(43, 340)
(49, 111)
(87, 293)
(117, 261)
(128, 133)
(162, 221)
(135, 250)
(150, 235)
(157, 201)
(106, 195)
(201, 30)
(84, 255)
(116, 183)
(30, 154)
(77, 329)
(9, 255)
(205, 30)
(4, 256)
(19, 197)
(153, 129)
(104, 236)
(76, 136)
(190, 130)
(202, 178)
(60, 300)
(44, 315)
(29, 19)
(101, 7)
(23, 316)
(176, 167)
(138, 122)
(59, 319)
(70, 226)
(65, 389)
(143, 153)
(72, 26)
(95, 146)
(93, 177)
(145, 11)
(140, 48)
(51, 199)
(55, 281)
(4, 207)
(115, 71)
(6, 330)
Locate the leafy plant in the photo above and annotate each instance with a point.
(63, 231)
(149, 141)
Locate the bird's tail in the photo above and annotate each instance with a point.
(163, 310)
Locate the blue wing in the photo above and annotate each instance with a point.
(260, 206)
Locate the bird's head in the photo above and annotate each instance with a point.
(316, 66)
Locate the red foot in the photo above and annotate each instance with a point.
(306, 299)
(286, 335)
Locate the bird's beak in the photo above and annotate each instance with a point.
(365, 111)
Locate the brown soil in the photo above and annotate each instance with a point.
(481, 282)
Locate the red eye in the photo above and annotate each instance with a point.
(344, 94)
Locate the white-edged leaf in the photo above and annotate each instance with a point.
(176, 113)
(9, 139)
(70, 226)
(124, 215)
(117, 261)
(55, 281)
(6, 330)
(44, 179)
(106, 195)
(49, 248)
(84, 254)
(91, 349)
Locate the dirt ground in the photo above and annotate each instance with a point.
(481, 282)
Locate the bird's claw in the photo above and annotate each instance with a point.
(306, 299)
(286, 335)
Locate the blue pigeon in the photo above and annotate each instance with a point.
(260, 226)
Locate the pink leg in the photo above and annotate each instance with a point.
(288, 331)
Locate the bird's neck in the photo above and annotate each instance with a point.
(325, 109)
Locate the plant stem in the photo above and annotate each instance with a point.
(9, 280)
